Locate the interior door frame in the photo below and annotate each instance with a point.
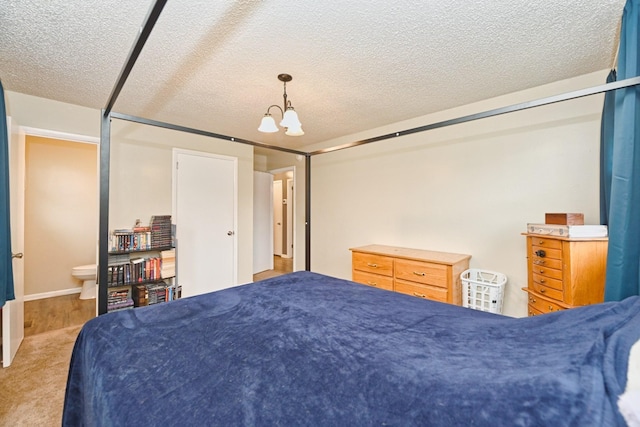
(84, 139)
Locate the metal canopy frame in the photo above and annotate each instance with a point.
(108, 115)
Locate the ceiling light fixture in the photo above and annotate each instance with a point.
(289, 120)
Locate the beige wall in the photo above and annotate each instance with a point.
(142, 157)
(61, 212)
(469, 188)
(141, 179)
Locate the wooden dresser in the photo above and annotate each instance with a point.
(421, 273)
(564, 272)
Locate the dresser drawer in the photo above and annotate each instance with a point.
(546, 253)
(549, 282)
(546, 243)
(546, 271)
(375, 280)
(421, 291)
(547, 262)
(543, 305)
(547, 291)
(372, 263)
(422, 272)
(533, 311)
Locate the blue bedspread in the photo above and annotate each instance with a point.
(310, 350)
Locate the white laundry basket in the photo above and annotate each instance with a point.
(483, 290)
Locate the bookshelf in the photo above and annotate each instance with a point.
(141, 265)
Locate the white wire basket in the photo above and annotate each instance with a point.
(483, 290)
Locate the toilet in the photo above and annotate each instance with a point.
(86, 273)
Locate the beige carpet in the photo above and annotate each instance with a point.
(32, 388)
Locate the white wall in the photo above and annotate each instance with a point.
(469, 188)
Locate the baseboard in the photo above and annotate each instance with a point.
(52, 294)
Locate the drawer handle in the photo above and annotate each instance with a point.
(531, 299)
(550, 308)
(372, 265)
(541, 271)
(372, 284)
(540, 242)
(542, 291)
(540, 253)
(539, 262)
(531, 313)
(419, 295)
(543, 281)
(419, 274)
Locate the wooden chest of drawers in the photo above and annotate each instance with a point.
(420, 273)
(564, 272)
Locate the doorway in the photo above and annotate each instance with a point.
(284, 213)
(60, 227)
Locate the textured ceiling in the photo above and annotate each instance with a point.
(356, 65)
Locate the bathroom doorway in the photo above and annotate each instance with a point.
(61, 224)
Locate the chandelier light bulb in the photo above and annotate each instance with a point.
(268, 125)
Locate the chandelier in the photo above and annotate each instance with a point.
(289, 122)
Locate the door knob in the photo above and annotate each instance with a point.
(18, 255)
(229, 233)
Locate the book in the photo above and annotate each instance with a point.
(568, 230)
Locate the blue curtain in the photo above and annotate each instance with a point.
(623, 207)
(6, 268)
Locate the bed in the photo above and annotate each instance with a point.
(306, 349)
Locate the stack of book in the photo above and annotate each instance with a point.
(155, 293)
(119, 299)
(124, 239)
(168, 263)
(123, 271)
(160, 231)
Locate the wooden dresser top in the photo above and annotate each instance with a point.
(413, 254)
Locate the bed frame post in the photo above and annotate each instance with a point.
(103, 232)
(307, 212)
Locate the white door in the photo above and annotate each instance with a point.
(277, 218)
(262, 222)
(205, 200)
(13, 311)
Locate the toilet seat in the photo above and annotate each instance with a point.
(84, 270)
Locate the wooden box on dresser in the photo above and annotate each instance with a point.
(564, 272)
(420, 273)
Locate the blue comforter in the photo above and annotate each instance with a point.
(309, 350)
